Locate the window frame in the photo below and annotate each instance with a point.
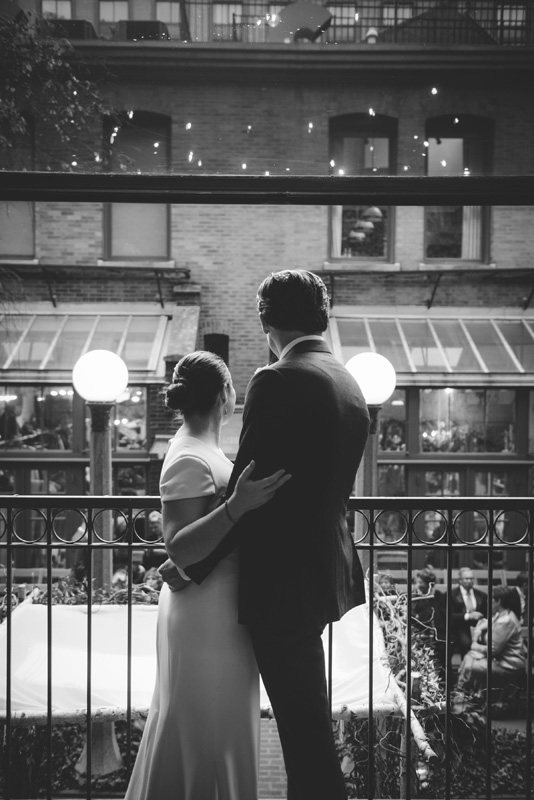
(19, 258)
(362, 124)
(472, 128)
(46, 14)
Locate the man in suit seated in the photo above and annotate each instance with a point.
(468, 606)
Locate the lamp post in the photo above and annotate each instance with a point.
(100, 377)
(376, 378)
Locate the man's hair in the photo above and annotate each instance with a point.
(294, 300)
(463, 570)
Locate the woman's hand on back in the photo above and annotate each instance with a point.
(250, 494)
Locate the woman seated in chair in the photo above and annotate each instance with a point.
(508, 652)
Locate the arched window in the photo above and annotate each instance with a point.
(458, 145)
(138, 141)
(218, 343)
(362, 144)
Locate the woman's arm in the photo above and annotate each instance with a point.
(189, 532)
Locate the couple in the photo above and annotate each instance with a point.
(264, 570)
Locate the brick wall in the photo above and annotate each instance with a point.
(272, 782)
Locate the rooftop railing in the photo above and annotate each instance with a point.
(405, 22)
(412, 731)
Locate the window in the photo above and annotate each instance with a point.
(457, 145)
(392, 420)
(511, 20)
(342, 28)
(111, 12)
(57, 9)
(225, 17)
(139, 142)
(467, 420)
(16, 229)
(362, 144)
(219, 344)
(169, 13)
(36, 418)
(129, 420)
(394, 14)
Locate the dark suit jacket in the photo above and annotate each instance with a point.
(458, 610)
(298, 563)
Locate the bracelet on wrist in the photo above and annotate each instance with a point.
(227, 511)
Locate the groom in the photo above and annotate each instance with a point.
(298, 566)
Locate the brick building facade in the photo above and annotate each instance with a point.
(221, 104)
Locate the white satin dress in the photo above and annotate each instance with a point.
(201, 739)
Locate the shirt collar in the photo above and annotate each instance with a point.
(466, 591)
(288, 347)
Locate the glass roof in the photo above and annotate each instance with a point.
(469, 346)
(54, 342)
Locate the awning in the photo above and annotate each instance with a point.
(45, 346)
(451, 347)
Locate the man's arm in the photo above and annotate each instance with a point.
(262, 440)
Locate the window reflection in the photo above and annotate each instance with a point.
(129, 423)
(36, 418)
(130, 480)
(392, 436)
(467, 420)
(130, 420)
(391, 480)
(441, 483)
(7, 481)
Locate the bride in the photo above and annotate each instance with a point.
(201, 739)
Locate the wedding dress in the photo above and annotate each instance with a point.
(201, 739)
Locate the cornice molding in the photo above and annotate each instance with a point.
(135, 60)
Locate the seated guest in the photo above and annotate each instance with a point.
(508, 652)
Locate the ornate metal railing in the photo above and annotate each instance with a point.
(45, 541)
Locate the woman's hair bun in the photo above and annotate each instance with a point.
(180, 395)
(197, 380)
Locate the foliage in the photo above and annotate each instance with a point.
(29, 760)
(465, 758)
(73, 592)
(47, 85)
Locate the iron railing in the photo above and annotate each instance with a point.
(421, 22)
(395, 536)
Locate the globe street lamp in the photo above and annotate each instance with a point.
(100, 377)
(376, 378)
